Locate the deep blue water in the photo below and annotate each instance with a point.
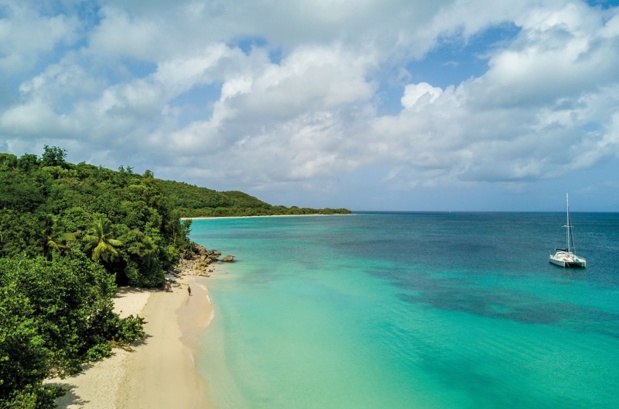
(412, 310)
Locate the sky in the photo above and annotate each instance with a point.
(399, 105)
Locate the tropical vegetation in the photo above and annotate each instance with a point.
(70, 234)
(193, 201)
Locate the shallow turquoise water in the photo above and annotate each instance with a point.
(412, 311)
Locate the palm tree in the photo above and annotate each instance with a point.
(59, 244)
(51, 243)
(99, 242)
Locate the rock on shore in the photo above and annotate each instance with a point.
(197, 261)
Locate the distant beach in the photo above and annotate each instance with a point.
(160, 371)
(267, 215)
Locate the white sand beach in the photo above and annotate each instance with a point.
(160, 371)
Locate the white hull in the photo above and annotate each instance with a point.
(566, 259)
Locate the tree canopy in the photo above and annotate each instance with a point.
(194, 201)
(69, 235)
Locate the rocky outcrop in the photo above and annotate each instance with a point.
(228, 259)
(197, 260)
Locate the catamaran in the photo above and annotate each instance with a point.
(566, 257)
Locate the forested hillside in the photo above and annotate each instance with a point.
(69, 234)
(193, 201)
(55, 209)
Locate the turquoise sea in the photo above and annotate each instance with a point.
(412, 310)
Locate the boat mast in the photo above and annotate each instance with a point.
(568, 226)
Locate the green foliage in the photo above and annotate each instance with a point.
(19, 192)
(65, 297)
(53, 156)
(99, 242)
(52, 208)
(8, 161)
(23, 356)
(28, 162)
(54, 316)
(128, 330)
(193, 201)
(69, 234)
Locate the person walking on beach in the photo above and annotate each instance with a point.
(189, 290)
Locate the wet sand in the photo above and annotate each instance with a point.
(162, 373)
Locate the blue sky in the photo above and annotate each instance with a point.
(371, 105)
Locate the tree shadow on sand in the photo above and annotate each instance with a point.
(70, 398)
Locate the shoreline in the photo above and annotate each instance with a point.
(267, 215)
(160, 370)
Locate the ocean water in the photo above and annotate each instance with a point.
(412, 310)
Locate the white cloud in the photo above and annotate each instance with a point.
(413, 93)
(26, 35)
(33, 118)
(309, 79)
(183, 73)
(298, 107)
(121, 35)
(559, 52)
(527, 117)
